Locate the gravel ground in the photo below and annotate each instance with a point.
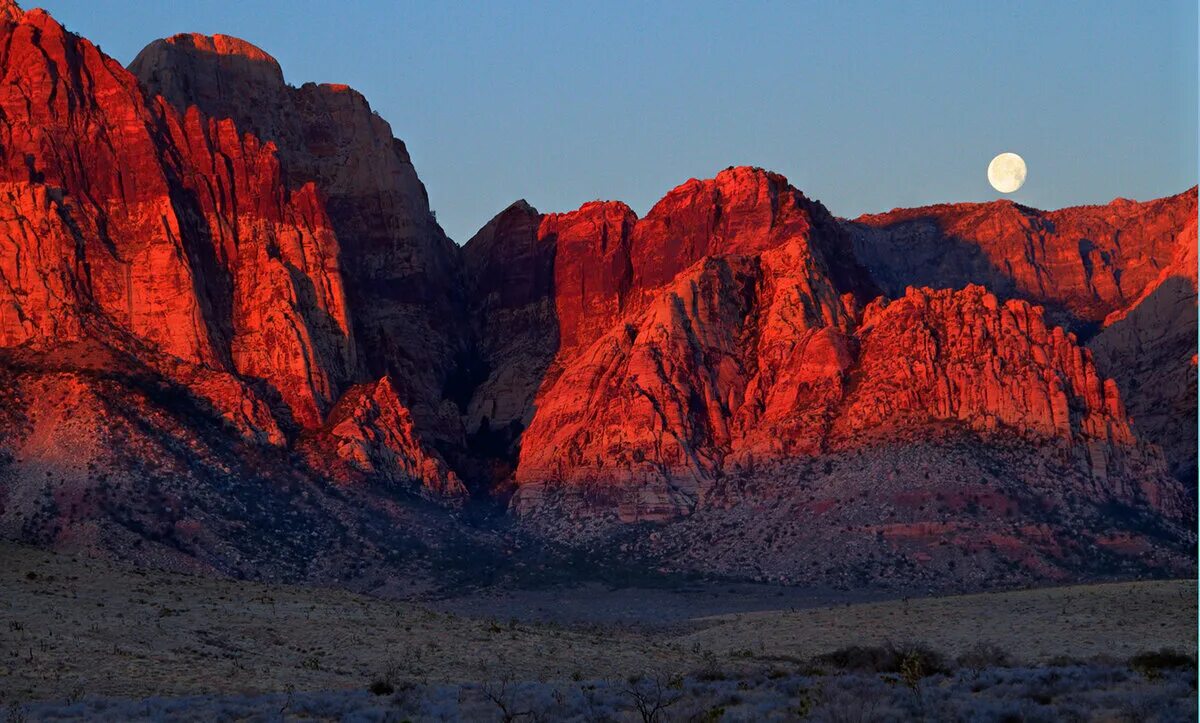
(85, 638)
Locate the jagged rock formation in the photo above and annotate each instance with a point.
(227, 314)
(749, 360)
(402, 275)
(1082, 263)
(1123, 275)
(208, 288)
(371, 434)
(758, 359)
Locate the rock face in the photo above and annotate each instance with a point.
(1122, 275)
(283, 297)
(75, 123)
(40, 301)
(728, 348)
(233, 338)
(203, 256)
(1082, 263)
(402, 275)
(1149, 348)
(371, 434)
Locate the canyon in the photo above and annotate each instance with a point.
(235, 340)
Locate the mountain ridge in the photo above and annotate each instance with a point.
(239, 286)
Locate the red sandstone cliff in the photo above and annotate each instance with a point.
(227, 313)
(177, 236)
(402, 275)
(1086, 261)
(756, 402)
(739, 363)
(758, 379)
(1123, 275)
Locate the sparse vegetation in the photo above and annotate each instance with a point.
(1152, 664)
(911, 661)
(108, 629)
(1077, 692)
(652, 695)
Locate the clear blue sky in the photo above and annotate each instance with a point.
(863, 105)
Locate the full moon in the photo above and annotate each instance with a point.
(1006, 172)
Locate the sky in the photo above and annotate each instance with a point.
(863, 105)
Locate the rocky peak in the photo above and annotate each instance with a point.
(11, 11)
(592, 267)
(404, 277)
(742, 210)
(1083, 263)
(508, 262)
(213, 72)
(220, 45)
(224, 45)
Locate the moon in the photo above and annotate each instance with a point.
(1006, 172)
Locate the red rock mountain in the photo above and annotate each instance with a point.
(1122, 275)
(175, 250)
(233, 338)
(401, 273)
(1083, 263)
(758, 349)
(762, 368)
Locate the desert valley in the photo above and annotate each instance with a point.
(243, 370)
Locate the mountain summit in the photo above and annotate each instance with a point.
(234, 339)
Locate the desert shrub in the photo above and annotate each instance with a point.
(858, 657)
(711, 670)
(1151, 664)
(503, 694)
(653, 695)
(906, 660)
(912, 670)
(381, 687)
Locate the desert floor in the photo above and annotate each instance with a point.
(73, 627)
